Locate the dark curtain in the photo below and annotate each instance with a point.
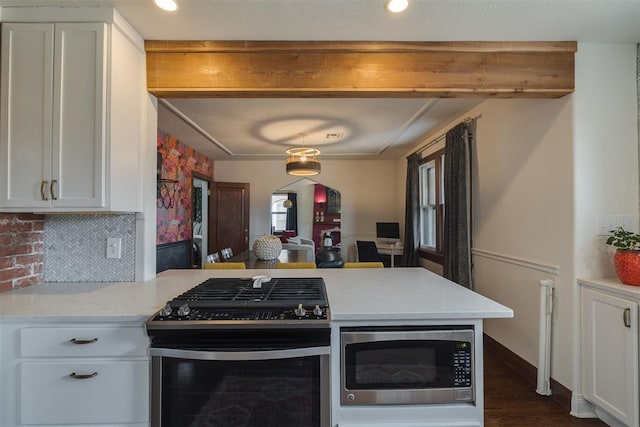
(412, 213)
(292, 213)
(457, 201)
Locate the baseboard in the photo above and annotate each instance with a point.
(582, 408)
(559, 393)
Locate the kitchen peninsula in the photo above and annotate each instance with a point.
(91, 328)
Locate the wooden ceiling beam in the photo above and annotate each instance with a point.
(200, 69)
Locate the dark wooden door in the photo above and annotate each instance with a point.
(229, 217)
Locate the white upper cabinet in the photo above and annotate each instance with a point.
(71, 118)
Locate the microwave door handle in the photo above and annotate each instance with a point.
(240, 355)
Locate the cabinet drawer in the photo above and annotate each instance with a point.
(118, 393)
(83, 342)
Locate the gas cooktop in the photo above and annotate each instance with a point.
(246, 301)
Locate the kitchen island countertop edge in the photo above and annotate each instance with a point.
(354, 295)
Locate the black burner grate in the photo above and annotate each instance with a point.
(235, 292)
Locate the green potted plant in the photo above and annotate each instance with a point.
(627, 257)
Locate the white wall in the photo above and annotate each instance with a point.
(523, 210)
(606, 140)
(368, 191)
(146, 220)
(605, 121)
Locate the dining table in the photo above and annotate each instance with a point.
(251, 261)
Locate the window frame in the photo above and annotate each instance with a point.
(435, 255)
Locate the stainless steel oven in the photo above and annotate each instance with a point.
(408, 365)
(237, 353)
(221, 379)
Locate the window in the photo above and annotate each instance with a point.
(278, 212)
(432, 204)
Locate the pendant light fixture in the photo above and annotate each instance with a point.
(301, 161)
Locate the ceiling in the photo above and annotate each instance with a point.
(243, 129)
(251, 129)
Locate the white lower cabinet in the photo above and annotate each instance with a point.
(65, 374)
(91, 392)
(610, 352)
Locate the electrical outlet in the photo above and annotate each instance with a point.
(114, 247)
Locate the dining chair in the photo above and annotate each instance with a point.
(226, 253)
(368, 252)
(328, 258)
(284, 265)
(225, 266)
(370, 264)
(214, 257)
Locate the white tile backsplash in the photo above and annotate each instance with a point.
(75, 248)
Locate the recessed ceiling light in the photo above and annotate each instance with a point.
(169, 5)
(334, 135)
(397, 6)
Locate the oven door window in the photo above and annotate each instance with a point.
(402, 364)
(271, 393)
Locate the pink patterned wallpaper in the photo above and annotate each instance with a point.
(178, 163)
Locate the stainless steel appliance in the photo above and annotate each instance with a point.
(408, 365)
(242, 352)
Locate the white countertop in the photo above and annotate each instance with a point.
(612, 284)
(354, 294)
(404, 294)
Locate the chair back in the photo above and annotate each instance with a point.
(327, 258)
(284, 265)
(363, 265)
(225, 266)
(367, 251)
(214, 257)
(226, 253)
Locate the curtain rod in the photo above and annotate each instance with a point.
(442, 136)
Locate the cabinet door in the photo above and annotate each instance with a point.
(79, 97)
(84, 392)
(610, 354)
(25, 135)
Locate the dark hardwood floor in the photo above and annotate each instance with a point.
(511, 402)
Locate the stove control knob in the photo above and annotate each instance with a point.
(165, 311)
(184, 310)
(300, 311)
(317, 311)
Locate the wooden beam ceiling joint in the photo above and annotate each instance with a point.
(360, 69)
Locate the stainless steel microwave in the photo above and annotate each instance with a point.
(407, 365)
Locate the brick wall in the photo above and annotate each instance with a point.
(21, 250)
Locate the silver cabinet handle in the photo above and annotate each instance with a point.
(626, 317)
(52, 188)
(76, 341)
(43, 184)
(83, 376)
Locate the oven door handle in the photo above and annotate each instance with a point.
(240, 355)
